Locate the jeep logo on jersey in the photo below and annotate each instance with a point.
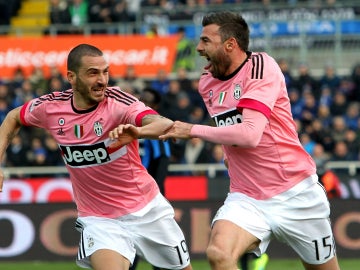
(98, 128)
(228, 118)
(83, 155)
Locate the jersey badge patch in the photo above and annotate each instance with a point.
(222, 96)
(98, 129)
(237, 91)
(79, 131)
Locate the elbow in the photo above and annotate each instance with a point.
(251, 141)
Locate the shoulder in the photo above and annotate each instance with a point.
(261, 65)
(115, 94)
(53, 98)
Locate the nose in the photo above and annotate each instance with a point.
(103, 78)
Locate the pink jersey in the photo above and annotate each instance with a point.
(107, 182)
(279, 161)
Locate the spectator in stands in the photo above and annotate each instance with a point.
(323, 114)
(307, 142)
(107, 12)
(196, 152)
(217, 156)
(320, 157)
(319, 134)
(59, 16)
(195, 96)
(4, 109)
(284, 66)
(79, 12)
(183, 106)
(132, 78)
(176, 103)
(119, 11)
(17, 79)
(5, 15)
(38, 81)
(133, 8)
(17, 154)
(182, 75)
(339, 104)
(5, 92)
(355, 77)
(23, 93)
(341, 152)
(338, 128)
(326, 96)
(161, 82)
(55, 73)
(347, 87)
(150, 3)
(297, 103)
(56, 84)
(185, 52)
(309, 109)
(352, 115)
(197, 115)
(53, 154)
(330, 78)
(305, 81)
(39, 158)
(352, 143)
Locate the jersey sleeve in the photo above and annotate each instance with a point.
(263, 85)
(33, 113)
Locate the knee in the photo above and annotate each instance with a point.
(217, 256)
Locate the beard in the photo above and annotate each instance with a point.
(220, 64)
(86, 93)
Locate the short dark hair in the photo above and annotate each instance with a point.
(231, 25)
(76, 54)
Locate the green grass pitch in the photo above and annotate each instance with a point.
(274, 264)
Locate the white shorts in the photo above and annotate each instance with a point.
(298, 217)
(152, 233)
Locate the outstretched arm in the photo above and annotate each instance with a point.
(153, 125)
(246, 134)
(9, 128)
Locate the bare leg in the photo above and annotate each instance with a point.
(105, 259)
(227, 243)
(329, 265)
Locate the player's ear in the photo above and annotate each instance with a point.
(229, 44)
(70, 76)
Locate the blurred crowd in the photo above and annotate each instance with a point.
(326, 110)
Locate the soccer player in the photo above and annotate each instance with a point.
(121, 211)
(274, 189)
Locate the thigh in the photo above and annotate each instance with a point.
(105, 259)
(304, 224)
(242, 223)
(160, 240)
(103, 234)
(231, 239)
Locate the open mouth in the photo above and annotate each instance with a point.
(98, 91)
(208, 64)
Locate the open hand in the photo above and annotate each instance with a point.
(123, 134)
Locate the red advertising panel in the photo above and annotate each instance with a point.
(147, 54)
(55, 190)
